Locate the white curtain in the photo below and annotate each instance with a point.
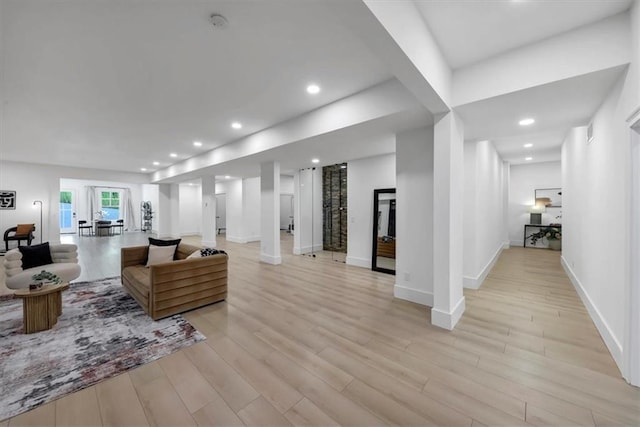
(127, 206)
(93, 202)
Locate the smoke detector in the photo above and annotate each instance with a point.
(219, 22)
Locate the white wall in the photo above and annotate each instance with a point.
(42, 182)
(364, 176)
(79, 187)
(414, 216)
(190, 210)
(286, 184)
(524, 180)
(235, 226)
(597, 181)
(251, 210)
(484, 217)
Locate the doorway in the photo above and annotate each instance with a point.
(221, 213)
(286, 212)
(67, 211)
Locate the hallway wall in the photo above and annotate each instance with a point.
(596, 179)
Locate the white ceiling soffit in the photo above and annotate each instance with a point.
(546, 147)
(472, 30)
(365, 139)
(119, 84)
(558, 105)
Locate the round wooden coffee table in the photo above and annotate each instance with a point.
(41, 307)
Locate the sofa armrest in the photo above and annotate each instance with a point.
(134, 255)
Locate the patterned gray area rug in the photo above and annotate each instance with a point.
(102, 332)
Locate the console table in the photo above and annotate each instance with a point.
(527, 226)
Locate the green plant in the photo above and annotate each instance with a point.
(46, 276)
(549, 232)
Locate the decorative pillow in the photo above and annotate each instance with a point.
(159, 242)
(35, 255)
(24, 229)
(160, 254)
(205, 252)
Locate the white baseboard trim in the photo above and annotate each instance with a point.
(190, 233)
(358, 262)
(235, 239)
(448, 320)
(506, 245)
(252, 239)
(269, 259)
(471, 282)
(413, 295)
(517, 243)
(603, 328)
(307, 249)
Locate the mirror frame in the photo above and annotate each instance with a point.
(374, 231)
(554, 195)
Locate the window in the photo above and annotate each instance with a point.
(110, 205)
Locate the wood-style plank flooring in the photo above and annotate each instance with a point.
(317, 342)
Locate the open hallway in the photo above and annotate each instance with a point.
(314, 341)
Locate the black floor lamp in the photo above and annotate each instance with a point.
(40, 203)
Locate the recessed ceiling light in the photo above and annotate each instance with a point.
(528, 158)
(236, 125)
(526, 122)
(197, 143)
(313, 89)
(156, 163)
(227, 177)
(529, 145)
(343, 166)
(315, 160)
(173, 155)
(143, 169)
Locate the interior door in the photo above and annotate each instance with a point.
(67, 211)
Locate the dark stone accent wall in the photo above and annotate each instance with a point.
(334, 204)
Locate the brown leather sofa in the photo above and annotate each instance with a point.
(173, 287)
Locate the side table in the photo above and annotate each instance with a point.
(41, 307)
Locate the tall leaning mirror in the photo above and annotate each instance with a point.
(383, 257)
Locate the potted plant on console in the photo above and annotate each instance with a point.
(551, 233)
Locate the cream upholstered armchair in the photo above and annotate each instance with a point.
(64, 264)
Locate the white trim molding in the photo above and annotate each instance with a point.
(446, 320)
(607, 335)
(413, 295)
(475, 282)
(268, 259)
(359, 262)
(307, 250)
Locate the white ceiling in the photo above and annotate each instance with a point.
(119, 84)
(556, 107)
(472, 30)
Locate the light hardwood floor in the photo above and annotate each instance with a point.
(317, 342)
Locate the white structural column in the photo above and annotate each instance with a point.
(414, 226)
(168, 210)
(448, 192)
(270, 213)
(209, 210)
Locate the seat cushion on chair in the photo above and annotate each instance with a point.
(36, 255)
(24, 229)
(66, 271)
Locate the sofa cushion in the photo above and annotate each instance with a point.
(160, 254)
(205, 252)
(160, 242)
(35, 255)
(139, 278)
(13, 255)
